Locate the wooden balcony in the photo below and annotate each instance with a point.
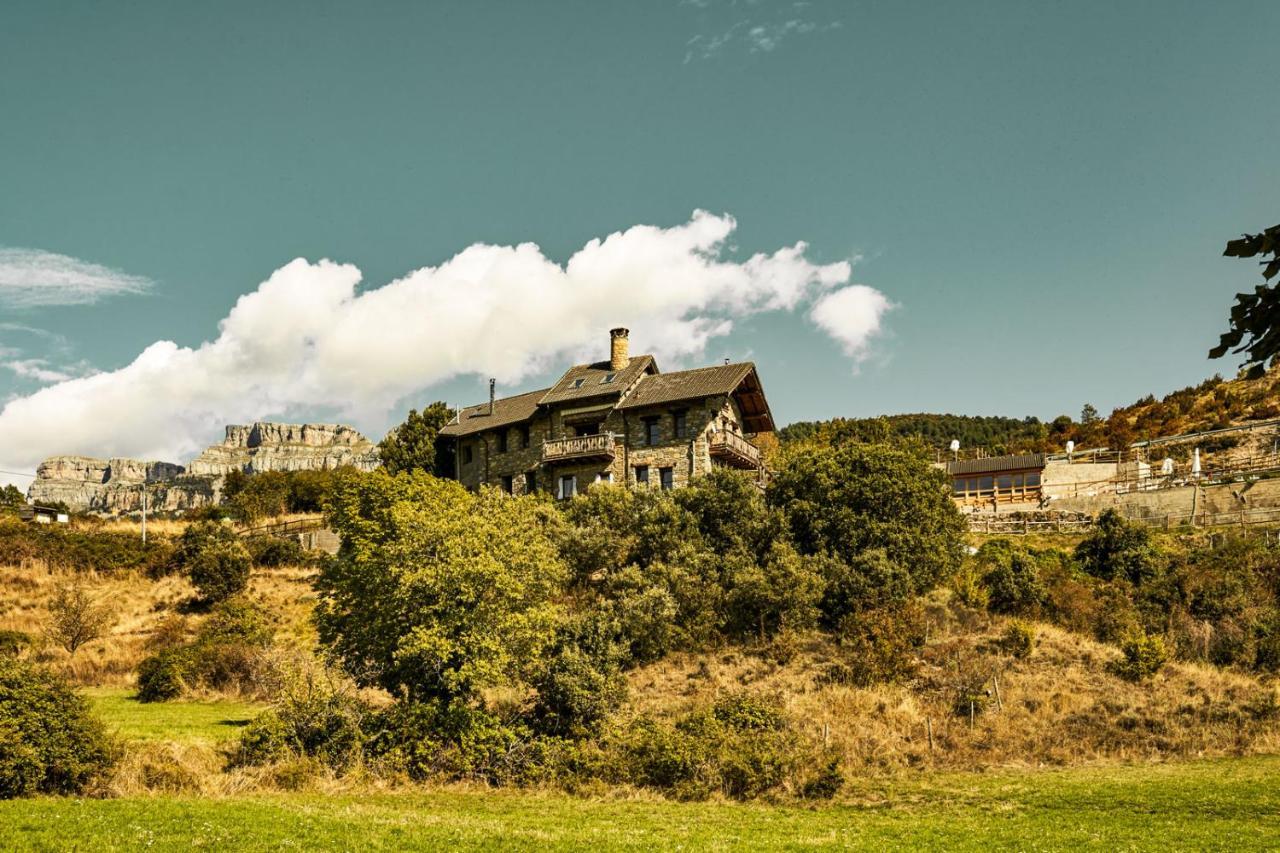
(732, 449)
(581, 448)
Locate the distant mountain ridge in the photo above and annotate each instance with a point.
(114, 486)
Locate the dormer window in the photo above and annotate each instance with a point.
(608, 377)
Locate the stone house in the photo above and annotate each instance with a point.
(619, 421)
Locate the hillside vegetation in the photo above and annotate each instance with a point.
(711, 642)
(1212, 404)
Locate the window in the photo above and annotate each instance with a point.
(524, 436)
(530, 482)
(587, 429)
(604, 477)
(568, 486)
(466, 454)
(665, 477)
(1033, 480)
(642, 475)
(577, 383)
(652, 435)
(502, 441)
(508, 484)
(680, 423)
(608, 377)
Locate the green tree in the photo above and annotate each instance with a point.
(1117, 549)
(215, 559)
(437, 593)
(412, 445)
(1255, 318)
(845, 500)
(11, 496)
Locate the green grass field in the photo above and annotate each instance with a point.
(1225, 805)
(177, 721)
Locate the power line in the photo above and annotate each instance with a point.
(18, 473)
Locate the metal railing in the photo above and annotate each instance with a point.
(579, 446)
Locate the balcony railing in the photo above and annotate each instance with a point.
(732, 449)
(581, 448)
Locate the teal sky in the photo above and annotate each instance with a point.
(1042, 190)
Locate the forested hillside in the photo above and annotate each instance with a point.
(1213, 404)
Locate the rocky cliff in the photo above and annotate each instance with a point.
(114, 486)
(261, 447)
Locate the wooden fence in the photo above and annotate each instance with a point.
(1169, 521)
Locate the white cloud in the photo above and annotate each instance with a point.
(31, 277)
(852, 315)
(307, 340)
(38, 369)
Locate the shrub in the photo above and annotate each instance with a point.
(314, 713)
(1011, 577)
(742, 747)
(448, 741)
(1018, 640)
(226, 653)
(1143, 657)
(826, 782)
(576, 693)
(13, 643)
(1119, 549)
(273, 551)
(870, 580)
(165, 675)
(880, 645)
(215, 559)
(49, 741)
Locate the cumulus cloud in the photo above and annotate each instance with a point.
(37, 369)
(308, 339)
(852, 315)
(31, 278)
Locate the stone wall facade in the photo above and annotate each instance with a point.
(480, 459)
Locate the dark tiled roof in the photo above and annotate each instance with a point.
(506, 411)
(738, 379)
(992, 464)
(593, 384)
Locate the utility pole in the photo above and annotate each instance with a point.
(144, 515)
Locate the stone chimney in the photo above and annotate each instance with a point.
(492, 388)
(618, 346)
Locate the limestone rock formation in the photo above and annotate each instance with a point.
(261, 447)
(112, 486)
(115, 486)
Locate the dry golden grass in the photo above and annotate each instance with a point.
(140, 607)
(1060, 706)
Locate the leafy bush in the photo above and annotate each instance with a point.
(215, 559)
(1143, 657)
(49, 741)
(13, 643)
(273, 551)
(314, 713)
(742, 747)
(1119, 549)
(1018, 640)
(449, 741)
(880, 645)
(870, 580)
(74, 547)
(1011, 576)
(226, 653)
(576, 692)
(852, 498)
